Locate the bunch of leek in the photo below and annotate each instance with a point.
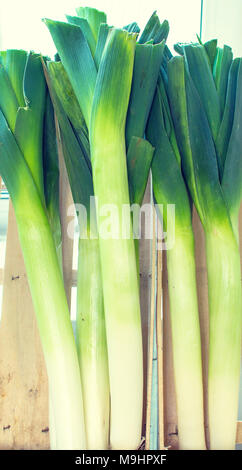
(205, 93)
(94, 60)
(29, 168)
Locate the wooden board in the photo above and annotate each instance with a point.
(66, 201)
(145, 271)
(23, 379)
(160, 339)
(170, 414)
(150, 335)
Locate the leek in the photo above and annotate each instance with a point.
(170, 188)
(204, 106)
(22, 171)
(120, 286)
(91, 333)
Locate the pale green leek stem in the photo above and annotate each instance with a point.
(92, 345)
(122, 309)
(53, 319)
(223, 264)
(186, 341)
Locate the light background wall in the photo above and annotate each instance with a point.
(21, 26)
(222, 19)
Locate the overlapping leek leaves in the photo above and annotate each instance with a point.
(92, 82)
(205, 97)
(27, 138)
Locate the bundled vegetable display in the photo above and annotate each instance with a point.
(126, 108)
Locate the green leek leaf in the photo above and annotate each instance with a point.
(172, 189)
(139, 158)
(211, 49)
(221, 71)
(94, 17)
(30, 119)
(8, 100)
(78, 62)
(86, 29)
(225, 129)
(15, 67)
(201, 74)
(232, 177)
(132, 28)
(67, 97)
(101, 41)
(147, 63)
(155, 30)
(75, 160)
